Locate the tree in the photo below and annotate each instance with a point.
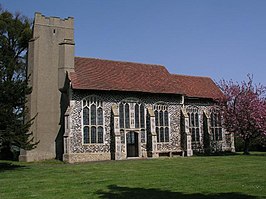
(244, 110)
(15, 33)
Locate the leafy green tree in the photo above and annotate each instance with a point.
(15, 33)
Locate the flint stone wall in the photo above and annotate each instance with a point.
(103, 151)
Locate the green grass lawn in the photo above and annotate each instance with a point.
(232, 177)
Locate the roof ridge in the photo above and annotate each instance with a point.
(191, 76)
(120, 61)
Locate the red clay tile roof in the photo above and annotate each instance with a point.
(99, 74)
(201, 87)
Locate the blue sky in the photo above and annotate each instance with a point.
(223, 39)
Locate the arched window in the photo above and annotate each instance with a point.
(161, 122)
(216, 125)
(92, 120)
(127, 115)
(133, 111)
(121, 115)
(137, 116)
(132, 115)
(86, 116)
(194, 127)
(142, 116)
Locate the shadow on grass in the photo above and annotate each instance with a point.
(221, 153)
(127, 192)
(4, 166)
(256, 154)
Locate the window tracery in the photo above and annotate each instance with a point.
(92, 111)
(216, 125)
(161, 122)
(194, 126)
(132, 116)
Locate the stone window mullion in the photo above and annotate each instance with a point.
(92, 121)
(194, 123)
(161, 123)
(216, 126)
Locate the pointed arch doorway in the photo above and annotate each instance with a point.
(132, 144)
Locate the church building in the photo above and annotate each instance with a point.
(89, 109)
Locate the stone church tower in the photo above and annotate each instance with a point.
(51, 55)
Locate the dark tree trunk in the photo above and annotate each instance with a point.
(246, 146)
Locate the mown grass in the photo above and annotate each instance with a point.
(210, 177)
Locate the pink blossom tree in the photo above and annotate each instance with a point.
(244, 110)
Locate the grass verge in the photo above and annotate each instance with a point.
(210, 177)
